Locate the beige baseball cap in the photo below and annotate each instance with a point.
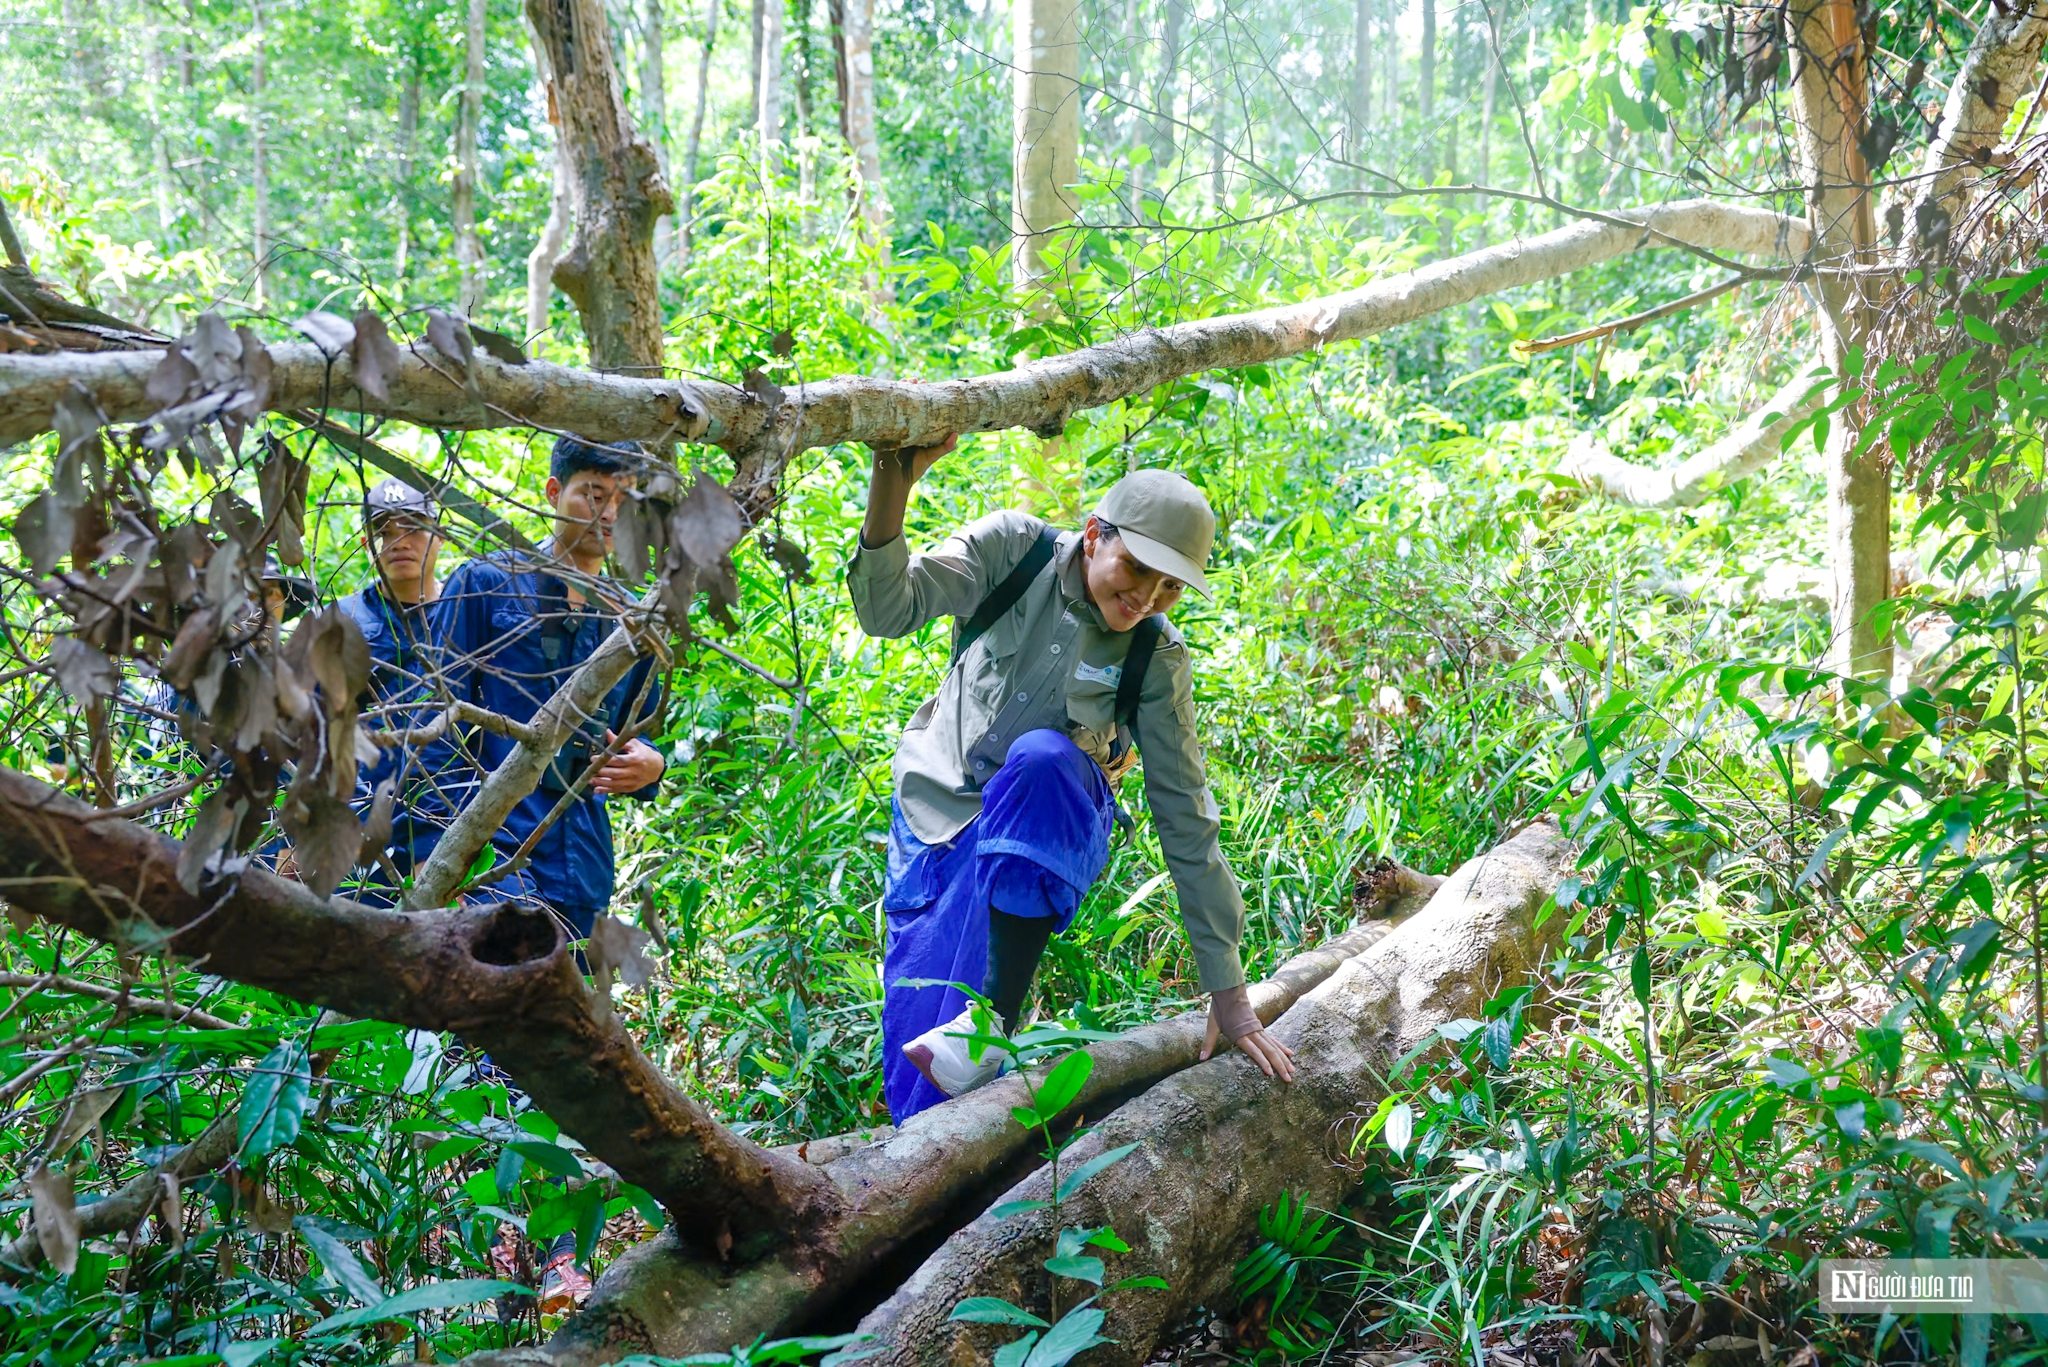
(1165, 522)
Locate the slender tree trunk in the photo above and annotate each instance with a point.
(836, 11)
(1219, 142)
(1165, 131)
(688, 209)
(1046, 147)
(754, 65)
(654, 95)
(1425, 89)
(1361, 79)
(154, 77)
(619, 191)
(1390, 52)
(260, 158)
(864, 137)
(1829, 101)
(408, 133)
(770, 114)
(469, 247)
(540, 262)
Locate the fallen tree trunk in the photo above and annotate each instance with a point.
(662, 1298)
(1219, 1141)
(1752, 444)
(765, 427)
(500, 977)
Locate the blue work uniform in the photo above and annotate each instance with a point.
(1038, 844)
(509, 637)
(432, 787)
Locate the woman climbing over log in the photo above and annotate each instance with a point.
(1063, 662)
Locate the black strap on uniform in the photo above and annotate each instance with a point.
(1004, 596)
(1130, 684)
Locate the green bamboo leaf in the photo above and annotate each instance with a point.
(274, 1102)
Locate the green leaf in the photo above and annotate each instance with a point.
(1009, 1208)
(1078, 1268)
(990, 1310)
(1639, 974)
(1062, 1085)
(1015, 1354)
(1140, 1284)
(452, 1147)
(1400, 1128)
(1073, 1181)
(274, 1102)
(427, 1296)
(1073, 1335)
(340, 1260)
(548, 1157)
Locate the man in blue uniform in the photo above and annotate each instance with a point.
(513, 626)
(393, 610)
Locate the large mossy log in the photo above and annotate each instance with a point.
(1217, 1142)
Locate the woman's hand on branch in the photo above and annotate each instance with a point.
(1230, 1013)
(896, 470)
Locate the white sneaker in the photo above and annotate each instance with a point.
(941, 1054)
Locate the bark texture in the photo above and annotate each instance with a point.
(502, 979)
(1219, 1141)
(619, 193)
(1752, 444)
(686, 210)
(857, 47)
(1830, 98)
(2002, 57)
(766, 432)
(1045, 149)
(469, 246)
(662, 1298)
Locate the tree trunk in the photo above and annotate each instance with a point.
(2002, 57)
(1425, 89)
(1165, 127)
(754, 66)
(864, 138)
(618, 190)
(469, 247)
(1749, 446)
(654, 95)
(1361, 79)
(161, 183)
(408, 131)
(1219, 1141)
(688, 210)
(1046, 94)
(1390, 53)
(836, 12)
(540, 262)
(1829, 100)
(912, 1185)
(260, 180)
(1039, 396)
(769, 115)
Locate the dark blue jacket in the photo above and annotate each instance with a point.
(509, 638)
(431, 785)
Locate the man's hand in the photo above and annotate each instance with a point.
(635, 766)
(915, 462)
(1230, 1011)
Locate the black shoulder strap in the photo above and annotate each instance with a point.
(1004, 596)
(1130, 685)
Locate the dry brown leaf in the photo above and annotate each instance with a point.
(45, 528)
(82, 1115)
(450, 335)
(497, 345)
(331, 332)
(85, 671)
(707, 524)
(210, 831)
(170, 1212)
(377, 830)
(376, 356)
(325, 832)
(56, 1217)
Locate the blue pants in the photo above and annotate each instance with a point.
(1039, 844)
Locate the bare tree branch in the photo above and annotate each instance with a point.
(1747, 448)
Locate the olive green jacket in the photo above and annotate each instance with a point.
(1049, 663)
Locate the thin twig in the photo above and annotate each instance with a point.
(1632, 322)
(149, 1006)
